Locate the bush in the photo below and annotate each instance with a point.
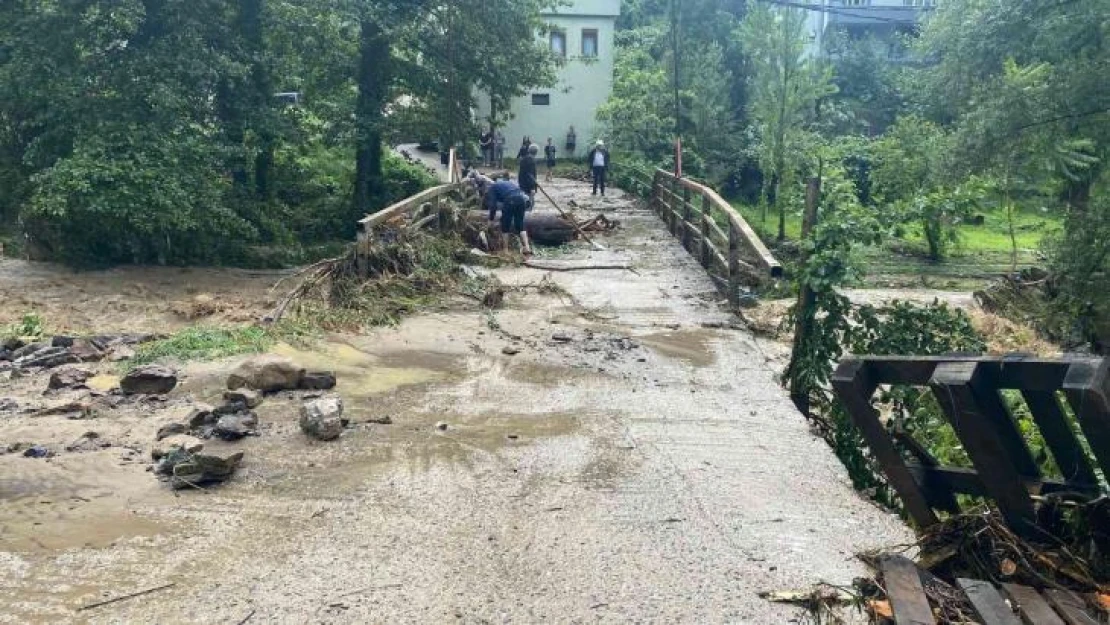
(129, 197)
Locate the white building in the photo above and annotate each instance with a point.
(881, 19)
(583, 34)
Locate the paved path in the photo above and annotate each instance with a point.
(634, 462)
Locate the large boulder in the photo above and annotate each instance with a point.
(266, 373)
(205, 468)
(69, 377)
(148, 380)
(322, 418)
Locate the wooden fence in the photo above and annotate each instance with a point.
(693, 213)
(967, 389)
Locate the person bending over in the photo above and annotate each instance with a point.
(507, 196)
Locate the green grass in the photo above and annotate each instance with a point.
(206, 343)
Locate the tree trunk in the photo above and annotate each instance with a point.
(261, 93)
(373, 82)
(805, 308)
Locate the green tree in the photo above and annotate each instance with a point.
(785, 87)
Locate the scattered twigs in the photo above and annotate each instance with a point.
(125, 597)
(247, 617)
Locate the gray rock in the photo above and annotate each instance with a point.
(29, 349)
(89, 441)
(5, 355)
(442, 426)
(12, 343)
(249, 398)
(47, 358)
(8, 404)
(322, 418)
(318, 381)
(235, 426)
(169, 430)
(200, 415)
(230, 407)
(561, 337)
(266, 373)
(149, 380)
(166, 446)
(120, 353)
(85, 350)
(69, 377)
(205, 468)
(61, 341)
(748, 301)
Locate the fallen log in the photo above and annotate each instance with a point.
(542, 228)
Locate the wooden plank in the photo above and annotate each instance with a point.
(967, 482)
(687, 217)
(407, 205)
(716, 234)
(1032, 608)
(987, 602)
(957, 389)
(1087, 387)
(905, 592)
(1070, 607)
(854, 386)
(1058, 435)
(1010, 372)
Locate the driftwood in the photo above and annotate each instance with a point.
(569, 267)
(130, 596)
(542, 228)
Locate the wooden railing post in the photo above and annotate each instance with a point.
(733, 265)
(687, 217)
(672, 215)
(706, 215)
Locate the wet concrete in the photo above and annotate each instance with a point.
(641, 468)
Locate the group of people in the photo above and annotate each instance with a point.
(514, 199)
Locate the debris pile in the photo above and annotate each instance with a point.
(24, 354)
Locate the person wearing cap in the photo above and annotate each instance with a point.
(598, 158)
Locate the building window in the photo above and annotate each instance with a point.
(541, 99)
(919, 3)
(559, 44)
(589, 43)
(862, 3)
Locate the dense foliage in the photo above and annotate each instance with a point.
(180, 131)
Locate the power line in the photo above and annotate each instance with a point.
(849, 12)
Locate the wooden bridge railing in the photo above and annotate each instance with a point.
(690, 211)
(967, 389)
(421, 209)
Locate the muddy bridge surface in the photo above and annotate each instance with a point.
(634, 461)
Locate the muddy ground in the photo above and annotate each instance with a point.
(635, 461)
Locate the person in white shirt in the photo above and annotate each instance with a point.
(598, 158)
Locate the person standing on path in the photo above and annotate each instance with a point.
(598, 159)
(485, 142)
(549, 156)
(499, 149)
(527, 175)
(572, 142)
(523, 151)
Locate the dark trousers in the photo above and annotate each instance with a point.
(599, 179)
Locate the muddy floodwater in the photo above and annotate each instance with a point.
(635, 461)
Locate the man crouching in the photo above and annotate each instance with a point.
(507, 196)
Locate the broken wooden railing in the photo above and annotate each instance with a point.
(420, 210)
(968, 392)
(691, 212)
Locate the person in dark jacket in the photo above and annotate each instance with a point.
(485, 141)
(513, 202)
(527, 173)
(549, 156)
(598, 159)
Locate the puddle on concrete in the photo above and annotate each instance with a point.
(692, 346)
(361, 374)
